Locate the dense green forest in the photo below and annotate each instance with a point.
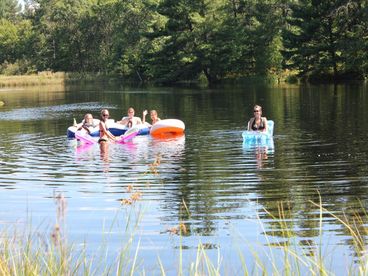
(168, 41)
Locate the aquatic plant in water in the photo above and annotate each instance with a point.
(31, 253)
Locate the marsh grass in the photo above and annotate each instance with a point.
(282, 253)
(53, 78)
(43, 78)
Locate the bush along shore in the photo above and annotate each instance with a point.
(177, 41)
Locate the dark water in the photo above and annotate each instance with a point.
(205, 180)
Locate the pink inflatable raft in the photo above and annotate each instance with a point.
(88, 139)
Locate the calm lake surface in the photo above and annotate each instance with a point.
(205, 180)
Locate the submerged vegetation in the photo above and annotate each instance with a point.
(166, 41)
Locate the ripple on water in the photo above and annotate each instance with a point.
(49, 112)
(208, 181)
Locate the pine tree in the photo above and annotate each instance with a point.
(312, 39)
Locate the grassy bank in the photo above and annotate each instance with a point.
(50, 78)
(50, 254)
(43, 78)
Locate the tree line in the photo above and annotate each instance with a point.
(169, 41)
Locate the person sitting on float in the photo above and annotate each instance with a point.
(258, 123)
(154, 117)
(87, 124)
(130, 120)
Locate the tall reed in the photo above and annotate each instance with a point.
(30, 253)
(43, 78)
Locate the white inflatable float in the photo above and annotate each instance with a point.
(168, 127)
(115, 128)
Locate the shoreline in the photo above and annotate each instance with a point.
(57, 78)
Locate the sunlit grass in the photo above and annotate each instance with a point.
(53, 78)
(43, 78)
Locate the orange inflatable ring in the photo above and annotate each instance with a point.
(167, 126)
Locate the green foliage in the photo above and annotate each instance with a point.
(19, 67)
(171, 41)
(172, 56)
(354, 45)
(8, 40)
(16, 45)
(9, 9)
(322, 40)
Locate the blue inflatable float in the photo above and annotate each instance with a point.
(115, 128)
(259, 139)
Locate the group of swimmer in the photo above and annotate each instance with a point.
(256, 123)
(130, 120)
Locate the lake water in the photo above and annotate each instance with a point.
(206, 180)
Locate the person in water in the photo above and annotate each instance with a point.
(105, 134)
(258, 123)
(153, 114)
(87, 123)
(130, 120)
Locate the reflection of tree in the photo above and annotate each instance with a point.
(27, 100)
(284, 219)
(199, 187)
(288, 226)
(353, 223)
(306, 151)
(319, 145)
(312, 154)
(199, 213)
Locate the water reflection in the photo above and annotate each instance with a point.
(206, 180)
(104, 152)
(46, 112)
(260, 153)
(83, 148)
(169, 147)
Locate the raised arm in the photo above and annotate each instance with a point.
(144, 114)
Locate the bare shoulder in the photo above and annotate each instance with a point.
(138, 120)
(123, 120)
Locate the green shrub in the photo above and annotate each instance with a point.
(19, 67)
